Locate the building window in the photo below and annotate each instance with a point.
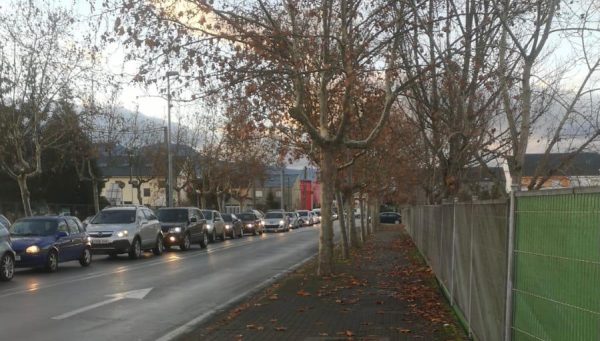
(278, 194)
(146, 192)
(258, 194)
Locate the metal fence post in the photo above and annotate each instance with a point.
(471, 268)
(452, 253)
(509, 263)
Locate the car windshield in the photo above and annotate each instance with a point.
(227, 217)
(246, 216)
(273, 215)
(34, 228)
(173, 216)
(207, 214)
(317, 213)
(303, 214)
(115, 217)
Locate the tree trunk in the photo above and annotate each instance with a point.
(22, 181)
(368, 222)
(363, 229)
(375, 216)
(355, 237)
(139, 193)
(95, 194)
(340, 204)
(328, 171)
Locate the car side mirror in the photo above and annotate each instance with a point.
(193, 220)
(61, 234)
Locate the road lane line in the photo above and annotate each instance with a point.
(143, 266)
(190, 325)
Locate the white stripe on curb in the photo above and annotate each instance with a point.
(189, 326)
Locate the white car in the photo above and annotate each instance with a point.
(316, 215)
(125, 229)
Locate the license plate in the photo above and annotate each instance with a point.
(100, 241)
(17, 258)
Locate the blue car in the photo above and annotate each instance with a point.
(43, 242)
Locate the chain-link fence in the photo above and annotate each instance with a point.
(465, 245)
(554, 291)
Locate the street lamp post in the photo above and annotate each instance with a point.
(169, 156)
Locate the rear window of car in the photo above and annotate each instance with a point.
(115, 217)
(303, 214)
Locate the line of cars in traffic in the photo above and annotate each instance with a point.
(46, 241)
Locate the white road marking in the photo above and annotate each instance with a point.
(134, 294)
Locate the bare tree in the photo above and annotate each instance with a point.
(38, 63)
(541, 98)
(300, 61)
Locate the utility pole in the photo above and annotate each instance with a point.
(282, 173)
(167, 187)
(169, 156)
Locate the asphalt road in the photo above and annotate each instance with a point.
(146, 299)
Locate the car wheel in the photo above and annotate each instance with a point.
(223, 235)
(204, 240)
(160, 246)
(7, 267)
(213, 236)
(185, 244)
(52, 261)
(167, 247)
(135, 251)
(113, 255)
(86, 257)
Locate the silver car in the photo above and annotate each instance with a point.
(276, 221)
(294, 219)
(7, 255)
(215, 225)
(125, 229)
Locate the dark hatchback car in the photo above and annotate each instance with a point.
(251, 223)
(390, 218)
(233, 225)
(183, 226)
(48, 240)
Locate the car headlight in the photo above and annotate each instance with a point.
(33, 249)
(250, 225)
(227, 226)
(281, 222)
(208, 226)
(122, 234)
(175, 229)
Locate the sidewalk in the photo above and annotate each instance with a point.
(385, 292)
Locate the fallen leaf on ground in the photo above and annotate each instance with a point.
(280, 329)
(303, 293)
(273, 320)
(274, 297)
(323, 334)
(250, 326)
